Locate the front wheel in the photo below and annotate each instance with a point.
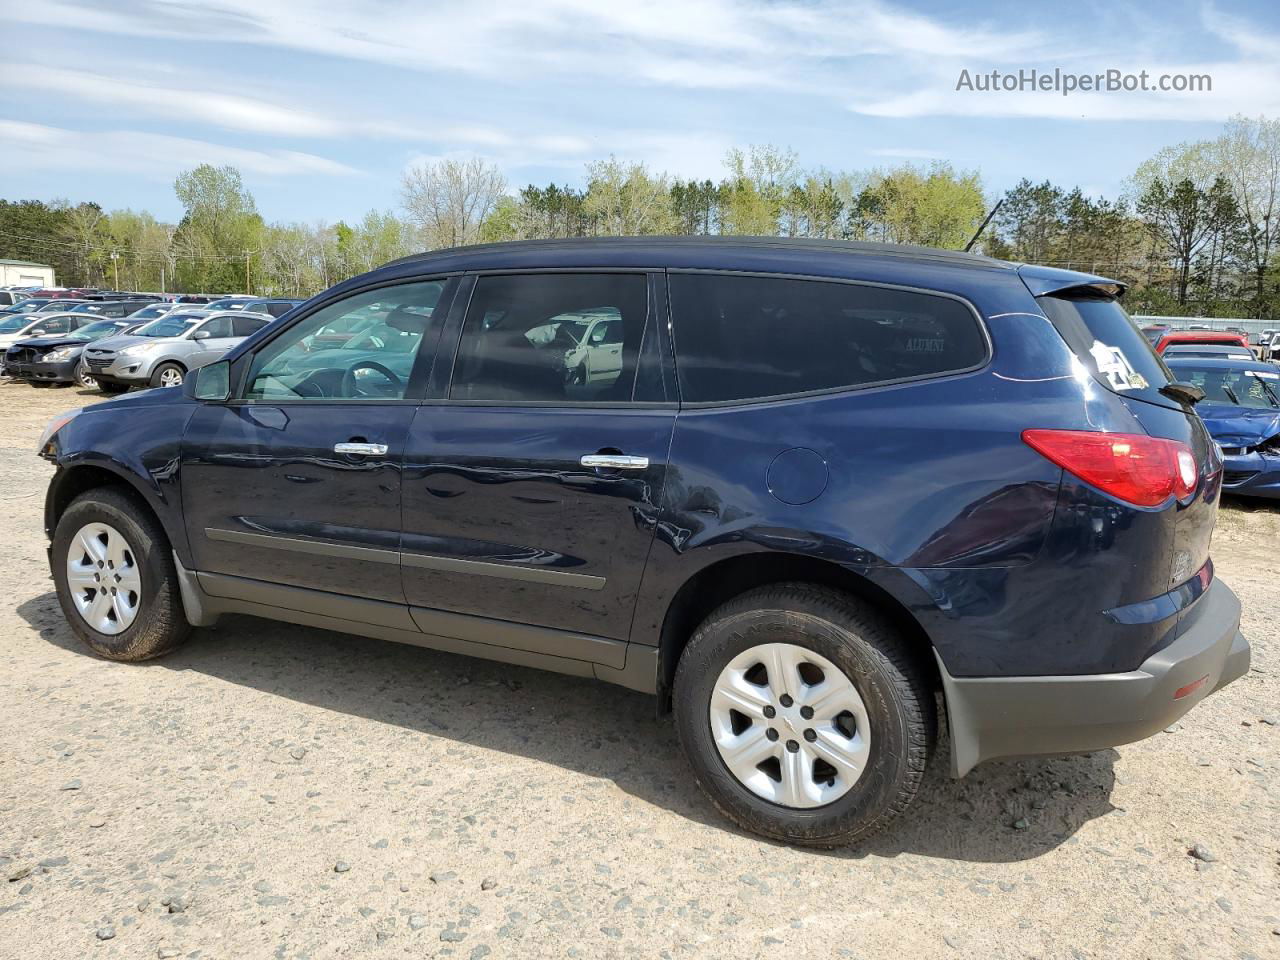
(804, 715)
(115, 577)
(83, 378)
(168, 375)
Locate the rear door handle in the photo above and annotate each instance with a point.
(361, 449)
(615, 461)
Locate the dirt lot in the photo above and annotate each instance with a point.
(274, 791)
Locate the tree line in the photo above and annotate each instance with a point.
(1195, 231)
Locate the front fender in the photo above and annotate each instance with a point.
(138, 444)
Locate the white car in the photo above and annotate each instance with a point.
(24, 326)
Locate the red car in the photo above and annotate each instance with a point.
(1203, 337)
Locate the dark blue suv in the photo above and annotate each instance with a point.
(804, 492)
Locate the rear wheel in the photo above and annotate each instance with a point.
(168, 375)
(804, 715)
(115, 577)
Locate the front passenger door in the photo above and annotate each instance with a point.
(296, 480)
(213, 338)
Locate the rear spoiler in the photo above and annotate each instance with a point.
(1051, 282)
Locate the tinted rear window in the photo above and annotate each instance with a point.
(743, 338)
(1109, 345)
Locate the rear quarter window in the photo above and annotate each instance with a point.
(745, 338)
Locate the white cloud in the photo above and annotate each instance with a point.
(711, 44)
(31, 147)
(907, 153)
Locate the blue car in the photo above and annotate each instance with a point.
(808, 491)
(1241, 408)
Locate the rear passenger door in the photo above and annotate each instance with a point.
(530, 491)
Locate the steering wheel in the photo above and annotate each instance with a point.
(349, 387)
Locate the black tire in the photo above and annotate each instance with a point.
(83, 380)
(160, 625)
(113, 387)
(159, 373)
(892, 685)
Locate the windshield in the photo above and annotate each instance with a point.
(96, 330)
(13, 324)
(174, 326)
(85, 308)
(1256, 389)
(150, 313)
(28, 306)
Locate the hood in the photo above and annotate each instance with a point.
(119, 342)
(1234, 426)
(48, 343)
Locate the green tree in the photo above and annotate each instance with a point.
(624, 199)
(219, 239)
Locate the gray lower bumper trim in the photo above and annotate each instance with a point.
(992, 717)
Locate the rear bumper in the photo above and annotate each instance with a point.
(992, 717)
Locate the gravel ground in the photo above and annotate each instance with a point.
(275, 791)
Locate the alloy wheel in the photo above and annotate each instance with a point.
(789, 725)
(171, 377)
(104, 578)
(83, 378)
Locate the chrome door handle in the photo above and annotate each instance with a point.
(361, 449)
(615, 461)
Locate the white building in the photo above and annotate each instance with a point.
(22, 273)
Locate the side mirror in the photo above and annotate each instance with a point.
(37, 333)
(211, 382)
(201, 335)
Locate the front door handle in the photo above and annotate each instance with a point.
(615, 461)
(361, 449)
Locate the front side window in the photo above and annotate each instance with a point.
(331, 355)
(54, 325)
(745, 338)
(217, 328)
(552, 338)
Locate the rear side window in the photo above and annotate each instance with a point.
(552, 338)
(743, 338)
(1109, 345)
(243, 326)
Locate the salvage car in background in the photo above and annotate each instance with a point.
(44, 361)
(27, 326)
(1241, 408)
(165, 350)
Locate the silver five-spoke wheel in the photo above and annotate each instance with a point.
(789, 725)
(104, 578)
(170, 377)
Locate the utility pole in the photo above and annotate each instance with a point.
(115, 269)
(248, 287)
(162, 276)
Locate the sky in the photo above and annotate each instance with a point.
(322, 104)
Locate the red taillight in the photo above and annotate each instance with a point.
(1145, 471)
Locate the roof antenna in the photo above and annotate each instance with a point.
(969, 246)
